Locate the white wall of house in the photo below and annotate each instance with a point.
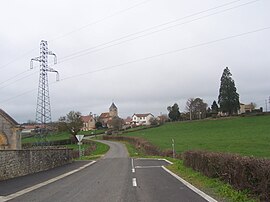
(142, 119)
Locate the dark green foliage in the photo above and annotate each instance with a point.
(228, 98)
(243, 173)
(214, 107)
(98, 125)
(174, 113)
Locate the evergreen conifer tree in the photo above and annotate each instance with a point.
(228, 98)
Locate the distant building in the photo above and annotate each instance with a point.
(10, 137)
(162, 118)
(89, 122)
(246, 108)
(142, 119)
(28, 130)
(128, 121)
(106, 117)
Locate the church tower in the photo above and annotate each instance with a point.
(113, 111)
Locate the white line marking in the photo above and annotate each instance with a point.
(1, 198)
(155, 159)
(196, 190)
(166, 161)
(147, 166)
(132, 166)
(134, 182)
(24, 191)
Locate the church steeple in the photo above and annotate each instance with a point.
(113, 110)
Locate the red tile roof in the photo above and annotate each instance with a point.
(105, 115)
(86, 119)
(142, 115)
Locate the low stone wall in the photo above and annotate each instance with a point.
(14, 163)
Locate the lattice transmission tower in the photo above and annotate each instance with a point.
(43, 109)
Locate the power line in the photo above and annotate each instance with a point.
(13, 77)
(16, 59)
(18, 79)
(154, 56)
(76, 30)
(94, 48)
(170, 52)
(100, 20)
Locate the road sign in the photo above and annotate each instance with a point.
(79, 137)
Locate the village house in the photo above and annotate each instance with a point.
(128, 121)
(10, 137)
(142, 119)
(245, 108)
(89, 122)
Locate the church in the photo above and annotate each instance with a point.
(106, 117)
(10, 137)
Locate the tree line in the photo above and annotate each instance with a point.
(228, 102)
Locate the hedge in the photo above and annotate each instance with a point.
(142, 144)
(87, 151)
(243, 173)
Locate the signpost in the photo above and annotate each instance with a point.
(173, 148)
(79, 138)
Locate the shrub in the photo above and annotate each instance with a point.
(243, 173)
(87, 151)
(140, 144)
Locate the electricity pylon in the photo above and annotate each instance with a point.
(43, 110)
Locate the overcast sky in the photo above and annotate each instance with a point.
(143, 55)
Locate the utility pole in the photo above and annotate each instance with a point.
(269, 100)
(43, 109)
(266, 105)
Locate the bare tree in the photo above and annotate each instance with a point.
(72, 122)
(116, 123)
(197, 108)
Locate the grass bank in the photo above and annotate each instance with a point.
(249, 136)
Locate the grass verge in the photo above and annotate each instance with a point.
(213, 187)
(247, 136)
(99, 152)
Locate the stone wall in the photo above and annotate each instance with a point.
(14, 163)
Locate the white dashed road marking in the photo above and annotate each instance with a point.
(132, 166)
(134, 182)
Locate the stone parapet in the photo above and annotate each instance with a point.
(14, 163)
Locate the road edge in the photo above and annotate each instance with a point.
(29, 189)
(196, 190)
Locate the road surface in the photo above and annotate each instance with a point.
(114, 178)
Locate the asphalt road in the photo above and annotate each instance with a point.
(114, 178)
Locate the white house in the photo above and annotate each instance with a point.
(142, 119)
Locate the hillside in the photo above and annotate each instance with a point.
(248, 136)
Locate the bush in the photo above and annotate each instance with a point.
(87, 151)
(49, 143)
(142, 144)
(243, 173)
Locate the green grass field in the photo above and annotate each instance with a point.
(249, 136)
(62, 136)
